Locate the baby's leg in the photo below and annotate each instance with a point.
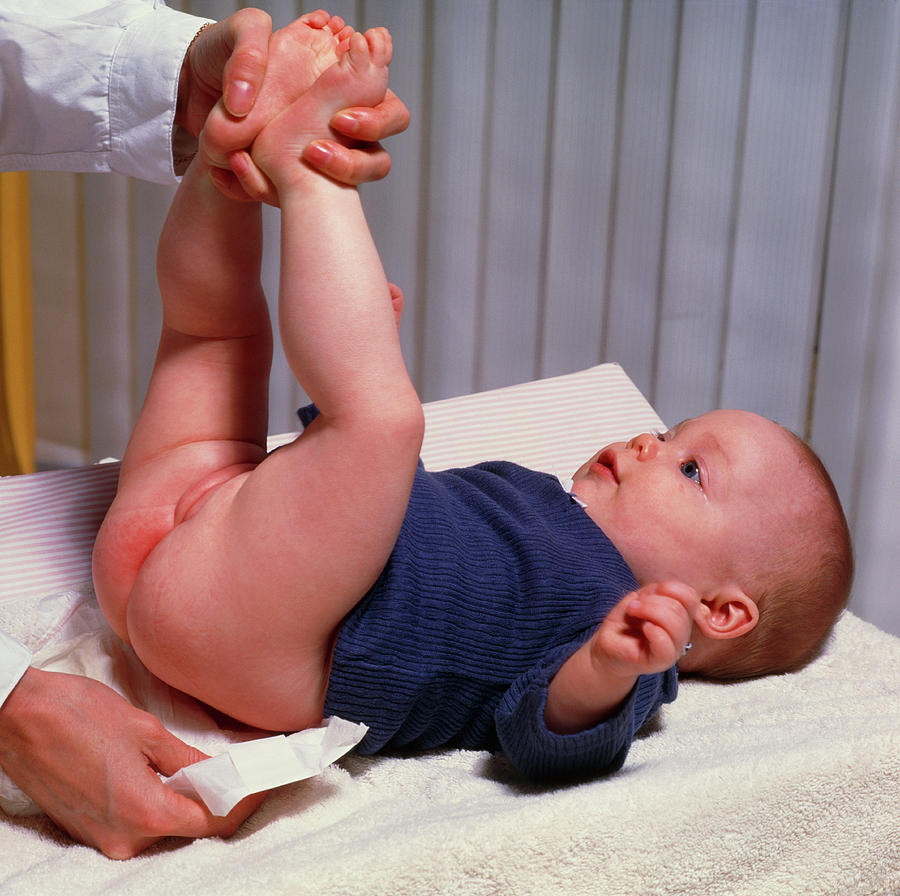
(345, 336)
(239, 603)
(205, 416)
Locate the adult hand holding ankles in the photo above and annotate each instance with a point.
(254, 74)
(90, 759)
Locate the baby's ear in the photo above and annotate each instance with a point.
(729, 613)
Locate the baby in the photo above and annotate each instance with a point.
(481, 608)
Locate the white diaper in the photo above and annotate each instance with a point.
(67, 632)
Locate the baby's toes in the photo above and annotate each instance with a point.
(380, 45)
(343, 34)
(318, 19)
(337, 27)
(357, 54)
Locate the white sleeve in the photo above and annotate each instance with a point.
(14, 660)
(91, 85)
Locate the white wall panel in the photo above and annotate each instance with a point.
(641, 187)
(877, 481)
(110, 349)
(455, 195)
(854, 261)
(397, 207)
(512, 237)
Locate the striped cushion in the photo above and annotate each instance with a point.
(48, 521)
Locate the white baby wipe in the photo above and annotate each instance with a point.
(222, 781)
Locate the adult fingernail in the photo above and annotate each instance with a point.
(318, 153)
(346, 122)
(239, 99)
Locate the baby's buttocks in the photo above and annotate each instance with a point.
(201, 491)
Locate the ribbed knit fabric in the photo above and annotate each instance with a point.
(496, 578)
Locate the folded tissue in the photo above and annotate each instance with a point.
(222, 781)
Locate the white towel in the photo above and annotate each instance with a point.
(785, 785)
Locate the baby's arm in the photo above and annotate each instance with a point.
(645, 632)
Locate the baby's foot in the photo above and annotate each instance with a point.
(359, 78)
(298, 54)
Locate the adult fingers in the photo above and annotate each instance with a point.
(389, 118)
(351, 166)
(250, 180)
(188, 818)
(182, 816)
(248, 33)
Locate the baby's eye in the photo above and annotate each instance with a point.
(691, 469)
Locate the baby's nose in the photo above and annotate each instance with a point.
(645, 445)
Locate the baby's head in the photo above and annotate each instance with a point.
(742, 510)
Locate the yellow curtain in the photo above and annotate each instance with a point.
(17, 432)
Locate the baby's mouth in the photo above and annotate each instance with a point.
(605, 465)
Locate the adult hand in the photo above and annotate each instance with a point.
(362, 159)
(227, 59)
(90, 759)
(296, 55)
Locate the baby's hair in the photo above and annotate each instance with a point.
(804, 586)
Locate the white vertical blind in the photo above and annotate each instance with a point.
(782, 209)
(581, 182)
(704, 185)
(705, 192)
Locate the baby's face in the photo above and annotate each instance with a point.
(695, 503)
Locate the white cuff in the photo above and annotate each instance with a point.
(144, 90)
(15, 659)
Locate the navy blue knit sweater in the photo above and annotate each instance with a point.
(496, 578)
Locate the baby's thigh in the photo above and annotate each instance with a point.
(240, 603)
(127, 536)
(152, 500)
(213, 614)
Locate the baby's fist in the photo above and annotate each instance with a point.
(647, 630)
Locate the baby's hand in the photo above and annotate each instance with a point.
(647, 630)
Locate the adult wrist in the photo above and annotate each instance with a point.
(184, 79)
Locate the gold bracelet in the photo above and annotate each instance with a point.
(194, 39)
(180, 161)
